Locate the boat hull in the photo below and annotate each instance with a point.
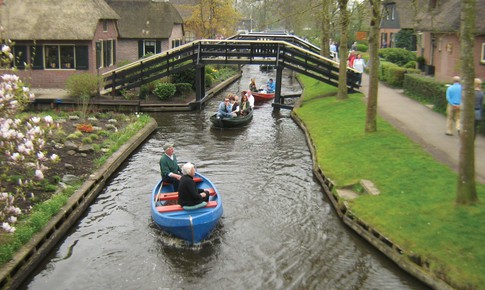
(193, 226)
(261, 97)
(231, 122)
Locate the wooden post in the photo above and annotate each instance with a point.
(199, 83)
(277, 93)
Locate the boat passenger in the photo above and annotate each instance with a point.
(234, 100)
(225, 109)
(169, 167)
(189, 194)
(250, 96)
(270, 86)
(244, 107)
(252, 86)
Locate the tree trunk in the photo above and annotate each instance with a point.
(371, 113)
(466, 192)
(325, 46)
(343, 51)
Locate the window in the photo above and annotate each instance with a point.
(59, 56)
(189, 36)
(105, 25)
(150, 47)
(383, 40)
(393, 12)
(105, 53)
(176, 42)
(482, 59)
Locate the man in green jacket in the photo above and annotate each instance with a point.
(169, 167)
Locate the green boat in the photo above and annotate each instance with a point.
(231, 122)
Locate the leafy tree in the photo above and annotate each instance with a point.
(212, 17)
(466, 192)
(405, 39)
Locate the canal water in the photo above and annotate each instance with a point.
(278, 230)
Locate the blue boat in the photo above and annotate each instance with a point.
(193, 226)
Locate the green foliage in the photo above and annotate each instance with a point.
(209, 80)
(147, 89)
(83, 84)
(383, 67)
(362, 47)
(398, 56)
(426, 90)
(183, 88)
(87, 140)
(164, 91)
(415, 208)
(404, 39)
(123, 63)
(395, 75)
(185, 76)
(411, 64)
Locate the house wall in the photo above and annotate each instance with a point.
(444, 53)
(177, 33)
(56, 78)
(127, 50)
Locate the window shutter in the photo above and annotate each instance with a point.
(140, 48)
(37, 56)
(114, 52)
(158, 46)
(82, 58)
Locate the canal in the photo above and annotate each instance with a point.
(278, 230)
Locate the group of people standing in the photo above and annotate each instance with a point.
(454, 104)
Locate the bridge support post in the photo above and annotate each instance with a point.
(199, 83)
(277, 93)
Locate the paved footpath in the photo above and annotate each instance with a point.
(425, 127)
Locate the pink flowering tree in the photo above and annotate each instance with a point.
(22, 143)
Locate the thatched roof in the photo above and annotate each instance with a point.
(53, 19)
(406, 12)
(145, 18)
(445, 17)
(185, 7)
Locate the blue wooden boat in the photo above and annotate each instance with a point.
(193, 226)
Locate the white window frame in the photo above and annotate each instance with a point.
(482, 58)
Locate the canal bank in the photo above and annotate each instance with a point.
(426, 128)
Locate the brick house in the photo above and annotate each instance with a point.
(437, 27)
(146, 27)
(397, 15)
(56, 39)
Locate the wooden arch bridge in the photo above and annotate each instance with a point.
(280, 51)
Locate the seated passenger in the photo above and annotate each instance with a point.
(252, 86)
(245, 107)
(189, 194)
(270, 86)
(225, 109)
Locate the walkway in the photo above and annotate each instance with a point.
(425, 127)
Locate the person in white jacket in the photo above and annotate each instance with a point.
(359, 65)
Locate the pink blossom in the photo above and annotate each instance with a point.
(38, 174)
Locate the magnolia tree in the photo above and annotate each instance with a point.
(22, 143)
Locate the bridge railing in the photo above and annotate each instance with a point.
(277, 53)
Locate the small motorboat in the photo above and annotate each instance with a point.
(231, 122)
(194, 225)
(261, 96)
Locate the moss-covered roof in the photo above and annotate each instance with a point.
(53, 19)
(145, 18)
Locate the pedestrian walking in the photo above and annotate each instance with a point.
(453, 108)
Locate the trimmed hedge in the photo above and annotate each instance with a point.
(427, 90)
(398, 56)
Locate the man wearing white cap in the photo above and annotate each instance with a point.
(169, 167)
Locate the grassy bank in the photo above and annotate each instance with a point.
(416, 208)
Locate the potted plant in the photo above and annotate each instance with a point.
(52, 61)
(67, 61)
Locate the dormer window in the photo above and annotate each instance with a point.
(105, 25)
(433, 4)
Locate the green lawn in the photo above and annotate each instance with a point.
(416, 208)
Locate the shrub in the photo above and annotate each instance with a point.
(398, 56)
(164, 91)
(147, 89)
(362, 47)
(410, 64)
(426, 89)
(383, 67)
(404, 39)
(209, 80)
(185, 76)
(183, 88)
(83, 84)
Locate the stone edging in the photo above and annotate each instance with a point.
(376, 239)
(14, 272)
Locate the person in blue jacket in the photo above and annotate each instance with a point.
(453, 108)
(270, 86)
